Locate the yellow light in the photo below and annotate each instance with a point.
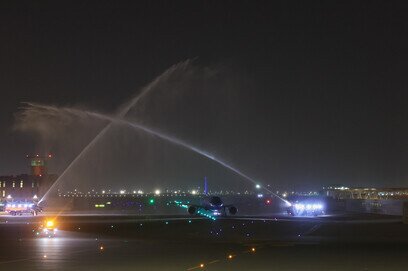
(50, 224)
(101, 247)
(230, 256)
(45, 256)
(253, 249)
(201, 265)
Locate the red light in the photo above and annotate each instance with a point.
(49, 155)
(268, 201)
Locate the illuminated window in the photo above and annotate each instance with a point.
(4, 183)
(21, 184)
(14, 184)
(4, 193)
(32, 184)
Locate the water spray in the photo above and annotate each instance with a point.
(122, 112)
(152, 132)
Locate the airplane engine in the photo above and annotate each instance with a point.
(192, 210)
(233, 210)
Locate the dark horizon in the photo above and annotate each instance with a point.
(302, 97)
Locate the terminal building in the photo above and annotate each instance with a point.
(27, 187)
(343, 192)
(388, 201)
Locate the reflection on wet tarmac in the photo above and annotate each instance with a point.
(123, 243)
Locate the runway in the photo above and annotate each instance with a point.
(128, 217)
(185, 243)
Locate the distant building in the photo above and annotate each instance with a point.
(28, 186)
(343, 192)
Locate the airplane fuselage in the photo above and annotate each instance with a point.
(213, 204)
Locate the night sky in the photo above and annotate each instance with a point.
(304, 93)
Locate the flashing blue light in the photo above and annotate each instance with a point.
(316, 206)
(308, 208)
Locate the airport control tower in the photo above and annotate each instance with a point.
(39, 164)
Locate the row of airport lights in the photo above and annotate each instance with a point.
(10, 197)
(228, 258)
(202, 265)
(158, 191)
(199, 212)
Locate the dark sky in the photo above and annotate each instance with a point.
(318, 91)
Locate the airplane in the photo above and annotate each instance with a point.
(213, 204)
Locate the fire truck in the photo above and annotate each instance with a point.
(47, 229)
